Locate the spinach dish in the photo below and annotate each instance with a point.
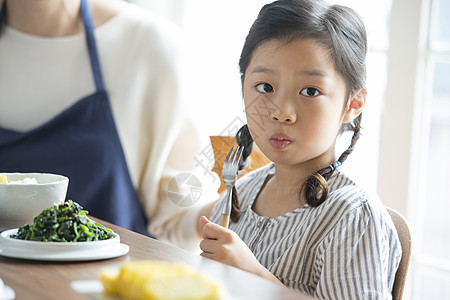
(66, 222)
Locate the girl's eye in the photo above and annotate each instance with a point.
(264, 88)
(309, 92)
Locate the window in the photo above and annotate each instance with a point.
(432, 258)
(415, 138)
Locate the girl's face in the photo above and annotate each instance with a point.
(294, 102)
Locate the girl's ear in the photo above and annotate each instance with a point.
(355, 106)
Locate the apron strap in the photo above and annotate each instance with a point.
(2, 14)
(92, 46)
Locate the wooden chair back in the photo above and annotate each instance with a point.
(221, 146)
(404, 235)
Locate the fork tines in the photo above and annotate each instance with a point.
(229, 174)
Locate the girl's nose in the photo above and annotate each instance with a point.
(284, 113)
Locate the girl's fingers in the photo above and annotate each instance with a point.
(211, 230)
(207, 255)
(203, 221)
(216, 232)
(208, 246)
(207, 232)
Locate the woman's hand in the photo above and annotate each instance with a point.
(224, 245)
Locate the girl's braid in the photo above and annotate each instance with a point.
(315, 187)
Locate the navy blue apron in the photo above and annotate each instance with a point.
(81, 143)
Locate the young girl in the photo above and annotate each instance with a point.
(301, 221)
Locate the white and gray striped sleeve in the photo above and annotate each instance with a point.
(358, 259)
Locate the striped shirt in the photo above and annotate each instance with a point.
(347, 248)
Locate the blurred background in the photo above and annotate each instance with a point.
(404, 153)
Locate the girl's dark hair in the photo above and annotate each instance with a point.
(340, 31)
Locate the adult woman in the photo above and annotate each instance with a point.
(122, 142)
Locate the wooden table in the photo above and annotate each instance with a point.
(52, 280)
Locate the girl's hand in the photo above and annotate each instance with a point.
(224, 245)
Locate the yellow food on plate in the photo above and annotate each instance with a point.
(3, 179)
(157, 280)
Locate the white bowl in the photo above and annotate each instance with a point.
(19, 203)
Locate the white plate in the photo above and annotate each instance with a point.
(59, 251)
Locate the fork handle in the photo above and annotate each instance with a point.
(226, 211)
(224, 220)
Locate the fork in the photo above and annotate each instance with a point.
(229, 175)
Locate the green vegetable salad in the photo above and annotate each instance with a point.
(66, 222)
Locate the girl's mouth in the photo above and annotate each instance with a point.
(280, 141)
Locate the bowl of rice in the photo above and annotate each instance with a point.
(25, 195)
